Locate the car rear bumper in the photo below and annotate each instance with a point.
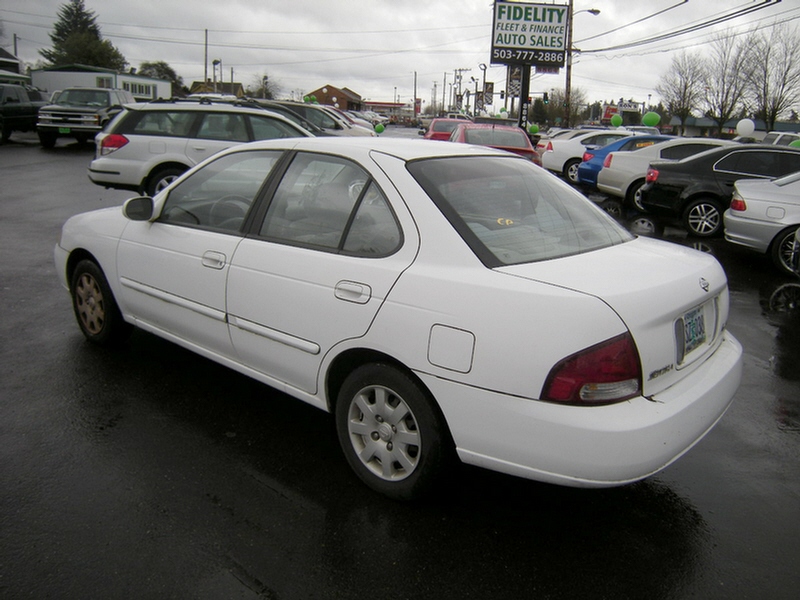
(599, 446)
(750, 233)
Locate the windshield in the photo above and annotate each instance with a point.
(510, 211)
(83, 98)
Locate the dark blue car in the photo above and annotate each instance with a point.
(593, 159)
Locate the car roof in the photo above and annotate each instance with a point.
(404, 149)
(721, 151)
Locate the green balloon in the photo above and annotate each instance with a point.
(651, 119)
(379, 128)
(533, 129)
(306, 99)
(616, 120)
(795, 144)
(503, 109)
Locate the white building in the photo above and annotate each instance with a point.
(58, 78)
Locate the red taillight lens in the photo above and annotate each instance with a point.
(652, 175)
(549, 147)
(737, 203)
(607, 161)
(606, 373)
(587, 156)
(112, 143)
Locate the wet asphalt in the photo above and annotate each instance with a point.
(148, 472)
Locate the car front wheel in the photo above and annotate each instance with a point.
(571, 171)
(95, 308)
(703, 218)
(391, 432)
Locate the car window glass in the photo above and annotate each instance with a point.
(635, 144)
(166, 123)
(267, 128)
(763, 163)
(313, 205)
(374, 230)
(223, 126)
(789, 163)
(509, 212)
(787, 139)
(770, 138)
(220, 195)
(684, 150)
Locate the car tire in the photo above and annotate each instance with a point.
(392, 432)
(161, 179)
(95, 307)
(633, 197)
(47, 140)
(703, 218)
(5, 131)
(781, 250)
(570, 171)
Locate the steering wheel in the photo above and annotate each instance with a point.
(228, 210)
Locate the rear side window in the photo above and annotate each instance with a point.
(763, 163)
(787, 139)
(223, 126)
(166, 123)
(684, 150)
(635, 144)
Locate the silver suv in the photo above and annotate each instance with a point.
(147, 146)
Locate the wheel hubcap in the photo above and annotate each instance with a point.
(384, 433)
(89, 304)
(704, 219)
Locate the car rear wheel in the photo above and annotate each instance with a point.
(391, 431)
(571, 171)
(161, 179)
(95, 308)
(703, 218)
(782, 249)
(634, 195)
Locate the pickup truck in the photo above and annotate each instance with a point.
(19, 107)
(80, 113)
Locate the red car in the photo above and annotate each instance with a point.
(440, 129)
(504, 137)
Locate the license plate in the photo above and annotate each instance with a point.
(63, 130)
(694, 330)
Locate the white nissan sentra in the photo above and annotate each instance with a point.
(440, 300)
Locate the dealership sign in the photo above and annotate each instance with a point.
(530, 34)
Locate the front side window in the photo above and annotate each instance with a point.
(219, 196)
(330, 203)
(509, 212)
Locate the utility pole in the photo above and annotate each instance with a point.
(457, 82)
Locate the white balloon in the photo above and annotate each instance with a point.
(745, 127)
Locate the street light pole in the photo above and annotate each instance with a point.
(568, 90)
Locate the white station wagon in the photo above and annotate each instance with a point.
(441, 300)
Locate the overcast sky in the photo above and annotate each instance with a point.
(374, 47)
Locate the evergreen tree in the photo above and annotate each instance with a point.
(76, 40)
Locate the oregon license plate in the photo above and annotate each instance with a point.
(694, 330)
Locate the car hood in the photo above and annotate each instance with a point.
(651, 285)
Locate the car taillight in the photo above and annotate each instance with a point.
(652, 175)
(112, 143)
(587, 156)
(549, 147)
(607, 161)
(602, 374)
(737, 203)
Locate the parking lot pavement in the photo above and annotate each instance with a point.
(149, 472)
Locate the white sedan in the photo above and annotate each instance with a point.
(442, 300)
(623, 173)
(562, 155)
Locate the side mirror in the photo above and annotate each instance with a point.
(138, 209)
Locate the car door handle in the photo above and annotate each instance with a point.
(352, 291)
(214, 260)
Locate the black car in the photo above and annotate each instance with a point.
(696, 191)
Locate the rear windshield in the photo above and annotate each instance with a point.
(510, 211)
(496, 137)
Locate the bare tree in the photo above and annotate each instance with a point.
(775, 87)
(682, 87)
(728, 70)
